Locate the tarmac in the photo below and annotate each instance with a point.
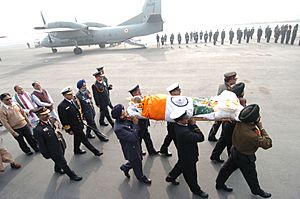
(271, 74)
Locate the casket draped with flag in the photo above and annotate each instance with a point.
(159, 107)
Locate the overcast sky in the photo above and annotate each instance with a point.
(17, 16)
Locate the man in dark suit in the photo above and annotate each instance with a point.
(126, 129)
(51, 142)
(88, 111)
(143, 126)
(187, 136)
(70, 115)
(101, 96)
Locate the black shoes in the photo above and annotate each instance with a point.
(145, 180)
(76, 178)
(98, 153)
(60, 171)
(202, 194)
(80, 152)
(29, 153)
(153, 153)
(103, 124)
(263, 194)
(125, 171)
(172, 180)
(212, 139)
(216, 160)
(102, 137)
(90, 136)
(224, 188)
(165, 153)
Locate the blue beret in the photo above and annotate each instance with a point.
(80, 83)
(116, 112)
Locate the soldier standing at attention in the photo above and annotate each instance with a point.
(51, 142)
(172, 39)
(201, 35)
(245, 33)
(288, 34)
(157, 40)
(259, 34)
(276, 34)
(196, 37)
(210, 35)
(248, 136)
(179, 38)
(231, 36)
(186, 38)
(229, 81)
(205, 37)
(216, 35)
(294, 34)
(223, 34)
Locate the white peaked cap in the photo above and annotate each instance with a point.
(173, 87)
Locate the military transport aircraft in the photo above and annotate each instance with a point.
(75, 34)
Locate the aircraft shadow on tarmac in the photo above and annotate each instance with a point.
(147, 53)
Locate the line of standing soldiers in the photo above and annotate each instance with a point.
(285, 32)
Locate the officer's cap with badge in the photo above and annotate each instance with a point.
(41, 111)
(249, 114)
(67, 91)
(230, 75)
(98, 73)
(133, 89)
(178, 114)
(173, 87)
(100, 68)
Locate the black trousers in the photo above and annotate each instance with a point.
(104, 113)
(214, 129)
(224, 141)
(145, 135)
(189, 171)
(246, 163)
(26, 132)
(169, 138)
(79, 137)
(90, 120)
(136, 165)
(61, 163)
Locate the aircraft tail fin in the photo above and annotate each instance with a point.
(151, 7)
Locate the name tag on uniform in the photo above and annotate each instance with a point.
(45, 129)
(67, 108)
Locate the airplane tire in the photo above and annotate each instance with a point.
(77, 51)
(102, 45)
(54, 50)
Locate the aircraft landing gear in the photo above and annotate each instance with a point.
(102, 45)
(54, 50)
(77, 51)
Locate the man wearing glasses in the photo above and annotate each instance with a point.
(14, 119)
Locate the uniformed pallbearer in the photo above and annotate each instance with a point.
(51, 142)
(187, 136)
(248, 136)
(70, 115)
